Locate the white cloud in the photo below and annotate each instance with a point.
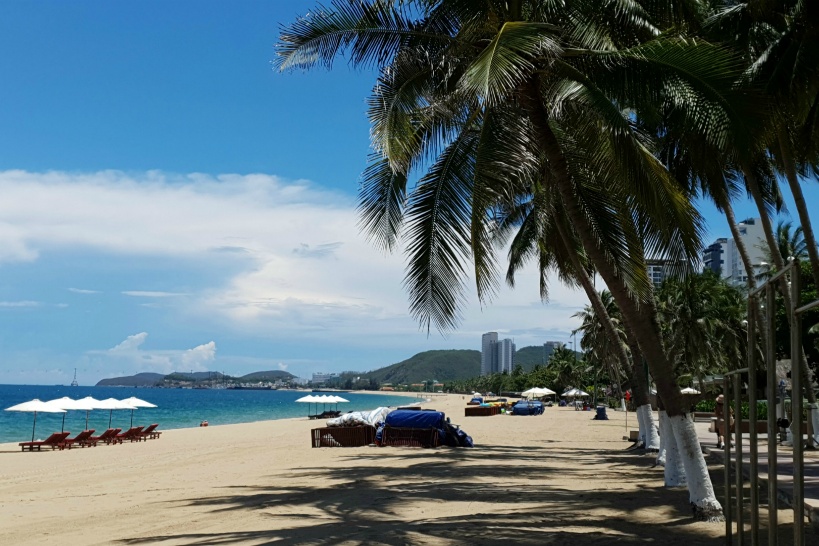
(131, 343)
(83, 291)
(25, 303)
(128, 357)
(299, 267)
(282, 366)
(198, 357)
(152, 294)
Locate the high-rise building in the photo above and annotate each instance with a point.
(714, 256)
(549, 349)
(322, 378)
(730, 261)
(488, 353)
(506, 355)
(497, 356)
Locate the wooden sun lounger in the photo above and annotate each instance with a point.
(104, 437)
(79, 439)
(132, 434)
(150, 432)
(54, 441)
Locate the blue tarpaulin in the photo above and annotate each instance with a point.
(416, 419)
(527, 407)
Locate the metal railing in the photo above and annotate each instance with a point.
(735, 391)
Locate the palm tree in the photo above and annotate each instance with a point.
(701, 317)
(494, 101)
(780, 40)
(596, 341)
(789, 241)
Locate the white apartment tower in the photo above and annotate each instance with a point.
(496, 356)
(506, 355)
(723, 256)
(488, 354)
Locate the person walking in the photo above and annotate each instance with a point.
(720, 413)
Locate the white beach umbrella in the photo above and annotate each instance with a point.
(111, 404)
(324, 399)
(309, 399)
(537, 392)
(337, 399)
(689, 390)
(67, 403)
(137, 403)
(91, 403)
(35, 406)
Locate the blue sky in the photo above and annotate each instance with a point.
(170, 202)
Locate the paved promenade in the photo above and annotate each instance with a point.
(784, 468)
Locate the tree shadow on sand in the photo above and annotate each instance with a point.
(496, 493)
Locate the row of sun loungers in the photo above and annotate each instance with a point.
(86, 438)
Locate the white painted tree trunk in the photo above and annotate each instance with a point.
(622, 404)
(652, 440)
(700, 489)
(641, 427)
(663, 437)
(674, 471)
(813, 410)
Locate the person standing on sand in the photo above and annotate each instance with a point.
(719, 412)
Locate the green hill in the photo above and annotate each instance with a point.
(442, 366)
(138, 380)
(272, 375)
(438, 365)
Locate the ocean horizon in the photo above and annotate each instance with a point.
(176, 408)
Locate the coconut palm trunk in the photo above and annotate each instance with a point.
(770, 238)
(801, 206)
(640, 318)
(594, 297)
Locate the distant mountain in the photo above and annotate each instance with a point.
(441, 366)
(272, 375)
(151, 379)
(138, 380)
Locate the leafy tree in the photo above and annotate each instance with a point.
(493, 102)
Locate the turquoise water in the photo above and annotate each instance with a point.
(177, 408)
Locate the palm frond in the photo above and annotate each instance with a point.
(438, 236)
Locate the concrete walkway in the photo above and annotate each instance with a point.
(708, 440)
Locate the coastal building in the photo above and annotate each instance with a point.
(488, 354)
(497, 356)
(506, 355)
(322, 378)
(714, 256)
(549, 349)
(730, 264)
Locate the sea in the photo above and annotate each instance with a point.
(176, 408)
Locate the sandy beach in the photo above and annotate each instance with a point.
(558, 478)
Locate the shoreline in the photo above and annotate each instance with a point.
(6, 447)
